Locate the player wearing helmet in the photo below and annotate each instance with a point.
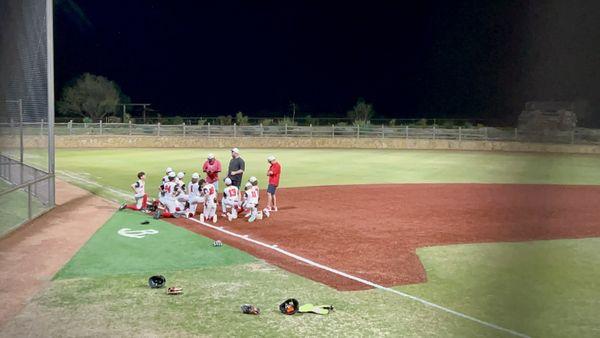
(210, 203)
(194, 193)
(230, 200)
(250, 201)
(168, 198)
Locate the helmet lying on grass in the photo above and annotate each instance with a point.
(156, 282)
(289, 307)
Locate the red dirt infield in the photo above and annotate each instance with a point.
(373, 231)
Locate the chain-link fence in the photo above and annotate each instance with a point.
(26, 101)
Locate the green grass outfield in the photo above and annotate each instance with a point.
(541, 288)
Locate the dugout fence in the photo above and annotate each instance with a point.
(26, 101)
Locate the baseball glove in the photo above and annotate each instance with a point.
(289, 307)
(173, 290)
(250, 309)
(156, 282)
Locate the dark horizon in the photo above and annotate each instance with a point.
(434, 59)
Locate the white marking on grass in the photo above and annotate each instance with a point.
(77, 177)
(362, 281)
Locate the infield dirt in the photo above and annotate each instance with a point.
(373, 231)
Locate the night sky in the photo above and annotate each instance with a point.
(454, 59)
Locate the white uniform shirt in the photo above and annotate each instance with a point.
(251, 196)
(231, 193)
(139, 187)
(170, 189)
(194, 189)
(210, 193)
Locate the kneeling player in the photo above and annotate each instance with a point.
(140, 196)
(251, 201)
(210, 203)
(168, 198)
(230, 200)
(194, 194)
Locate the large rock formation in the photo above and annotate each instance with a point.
(547, 116)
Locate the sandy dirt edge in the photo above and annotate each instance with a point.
(32, 254)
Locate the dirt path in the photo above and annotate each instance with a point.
(31, 255)
(373, 231)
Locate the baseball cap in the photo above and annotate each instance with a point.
(172, 174)
(271, 158)
(227, 180)
(252, 179)
(210, 156)
(169, 169)
(180, 175)
(235, 150)
(195, 175)
(248, 185)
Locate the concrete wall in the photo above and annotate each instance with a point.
(290, 142)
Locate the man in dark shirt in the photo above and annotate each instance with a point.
(236, 168)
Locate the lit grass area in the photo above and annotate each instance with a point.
(116, 168)
(170, 248)
(543, 288)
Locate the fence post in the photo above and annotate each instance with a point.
(42, 128)
(183, 125)
(158, 129)
(434, 131)
(234, 130)
(29, 201)
(129, 127)
(459, 134)
(208, 129)
(485, 130)
(311, 131)
(382, 131)
(357, 131)
(101, 131)
(262, 130)
(572, 136)
(286, 132)
(70, 126)
(333, 131)
(516, 134)
(406, 132)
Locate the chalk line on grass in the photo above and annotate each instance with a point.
(361, 280)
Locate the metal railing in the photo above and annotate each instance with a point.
(370, 131)
(27, 186)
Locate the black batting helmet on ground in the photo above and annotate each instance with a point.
(156, 282)
(289, 307)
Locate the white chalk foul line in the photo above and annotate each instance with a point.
(360, 280)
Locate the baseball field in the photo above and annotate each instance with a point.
(402, 243)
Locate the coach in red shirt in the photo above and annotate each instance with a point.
(212, 168)
(273, 173)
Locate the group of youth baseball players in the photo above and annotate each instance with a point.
(178, 199)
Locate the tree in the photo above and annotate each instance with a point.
(361, 112)
(90, 96)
